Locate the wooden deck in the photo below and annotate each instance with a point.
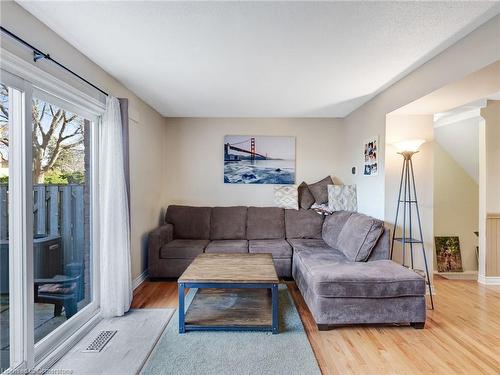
(462, 336)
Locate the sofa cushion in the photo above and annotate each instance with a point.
(265, 223)
(332, 227)
(227, 246)
(306, 199)
(228, 223)
(358, 236)
(301, 244)
(319, 190)
(303, 224)
(330, 276)
(278, 248)
(325, 256)
(181, 249)
(189, 222)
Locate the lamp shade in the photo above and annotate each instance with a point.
(409, 145)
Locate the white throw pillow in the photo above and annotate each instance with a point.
(286, 197)
(342, 198)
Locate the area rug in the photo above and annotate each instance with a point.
(220, 353)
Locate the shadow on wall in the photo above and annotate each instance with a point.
(339, 109)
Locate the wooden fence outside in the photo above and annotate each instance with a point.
(58, 210)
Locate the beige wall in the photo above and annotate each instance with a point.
(406, 127)
(182, 163)
(456, 205)
(491, 115)
(146, 126)
(194, 157)
(475, 51)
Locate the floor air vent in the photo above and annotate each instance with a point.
(99, 342)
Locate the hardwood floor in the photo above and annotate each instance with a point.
(462, 336)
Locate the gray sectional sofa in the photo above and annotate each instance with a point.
(340, 264)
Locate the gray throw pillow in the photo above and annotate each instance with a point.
(319, 190)
(359, 236)
(332, 226)
(306, 199)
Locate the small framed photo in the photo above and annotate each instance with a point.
(371, 149)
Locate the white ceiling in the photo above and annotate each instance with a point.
(260, 59)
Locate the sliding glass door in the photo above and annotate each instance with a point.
(48, 230)
(61, 215)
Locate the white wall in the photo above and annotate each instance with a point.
(194, 157)
(456, 205)
(475, 51)
(146, 126)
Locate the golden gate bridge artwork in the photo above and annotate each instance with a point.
(259, 160)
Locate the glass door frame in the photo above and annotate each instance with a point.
(21, 318)
(27, 81)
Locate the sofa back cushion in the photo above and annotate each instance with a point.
(189, 222)
(358, 236)
(265, 223)
(303, 224)
(228, 223)
(332, 227)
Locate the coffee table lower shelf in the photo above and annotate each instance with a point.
(230, 307)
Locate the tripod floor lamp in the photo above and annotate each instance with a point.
(408, 205)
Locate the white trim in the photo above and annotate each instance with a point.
(482, 198)
(94, 213)
(68, 106)
(47, 82)
(488, 280)
(68, 344)
(140, 279)
(457, 117)
(20, 224)
(466, 275)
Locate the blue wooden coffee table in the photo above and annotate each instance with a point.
(235, 292)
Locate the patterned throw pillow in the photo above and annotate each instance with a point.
(342, 198)
(286, 197)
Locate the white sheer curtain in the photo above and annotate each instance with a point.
(115, 275)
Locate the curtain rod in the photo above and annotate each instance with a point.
(39, 55)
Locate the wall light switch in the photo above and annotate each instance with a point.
(353, 170)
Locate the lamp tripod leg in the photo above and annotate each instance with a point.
(428, 276)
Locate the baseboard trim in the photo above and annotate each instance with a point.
(140, 279)
(488, 280)
(466, 275)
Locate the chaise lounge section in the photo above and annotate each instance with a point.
(340, 264)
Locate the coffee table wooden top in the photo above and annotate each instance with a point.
(231, 268)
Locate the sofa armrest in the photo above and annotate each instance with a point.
(382, 249)
(158, 238)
